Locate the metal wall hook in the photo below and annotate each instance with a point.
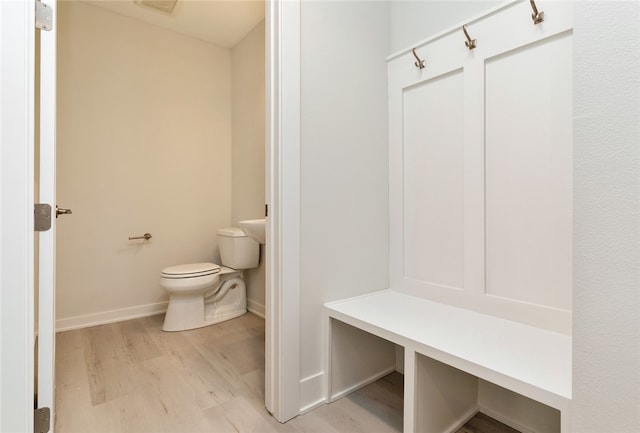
(470, 43)
(536, 16)
(145, 236)
(420, 64)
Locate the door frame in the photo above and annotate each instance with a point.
(17, 315)
(17, 328)
(282, 363)
(46, 186)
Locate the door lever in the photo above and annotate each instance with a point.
(60, 211)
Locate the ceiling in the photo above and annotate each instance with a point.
(220, 22)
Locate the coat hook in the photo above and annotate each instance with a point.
(420, 64)
(536, 16)
(470, 43)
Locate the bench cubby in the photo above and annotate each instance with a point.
(456, 362)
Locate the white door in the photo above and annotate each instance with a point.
(46, 186)
(18, 181)
(16, 215)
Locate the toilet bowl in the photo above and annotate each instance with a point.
(202, 294)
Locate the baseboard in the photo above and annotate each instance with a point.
(104, 317)
(504, 419)
(312, 392)
(457, 424)
(256, 308)
(365, 382)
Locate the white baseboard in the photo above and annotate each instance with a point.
(457, 424)
(112, 316)
(504, 419)
(312, 392)
(256, 308)
(362, 383)
(104, 317)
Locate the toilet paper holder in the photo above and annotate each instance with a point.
(145, 236)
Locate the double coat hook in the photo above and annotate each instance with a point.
(420, 64)
(470, 43)
(536, 16)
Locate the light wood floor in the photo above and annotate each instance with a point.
(131, 377)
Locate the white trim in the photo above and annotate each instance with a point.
(473, 289)
(504, 419)
(338, 395)
(255, 308)
(454, 28)
(312, 392)
(17, 329)
(311, 406)
(111, 316)
(282, 363)
(462, 420)
(47, 240)
(129, 313)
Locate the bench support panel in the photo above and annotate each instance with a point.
(357, 358)
(446, 398)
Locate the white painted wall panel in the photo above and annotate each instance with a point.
(344, 165)
(529, 173)
(434, 181)
(489, 212)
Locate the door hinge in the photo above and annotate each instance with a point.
(42, 217)
(266, 210)
(41, 420)
(44, 16)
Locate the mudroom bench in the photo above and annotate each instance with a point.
(454, 361)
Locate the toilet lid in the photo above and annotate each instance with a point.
(191, 270)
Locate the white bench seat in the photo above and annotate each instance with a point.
(530, 361)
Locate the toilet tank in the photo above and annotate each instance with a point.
(237, 250)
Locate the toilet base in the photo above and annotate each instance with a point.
(224, 316)
(191, 311)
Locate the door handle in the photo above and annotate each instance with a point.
(60, 211)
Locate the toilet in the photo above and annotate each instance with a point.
(202, 294)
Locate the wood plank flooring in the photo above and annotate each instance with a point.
(131, 377)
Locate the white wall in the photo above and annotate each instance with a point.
(414, 21)
(606, 293)
(144, 145)
(344, 168)
(248, 146)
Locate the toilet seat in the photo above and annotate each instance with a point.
(190, 270)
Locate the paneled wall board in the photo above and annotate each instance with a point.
(433, 178)
(529, 123)
(480, 160)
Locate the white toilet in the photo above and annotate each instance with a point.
(201, 294)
